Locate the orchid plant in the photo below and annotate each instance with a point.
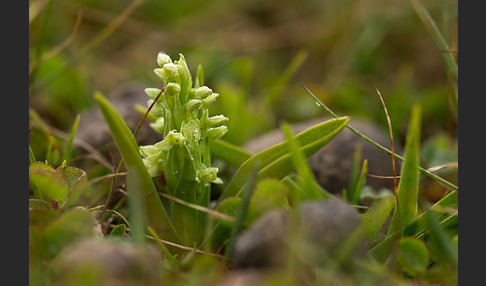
(183, 156)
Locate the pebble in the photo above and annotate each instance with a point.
(94, 130)
(322, 226)
(109, 262)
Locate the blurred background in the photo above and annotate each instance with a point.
(255, 54)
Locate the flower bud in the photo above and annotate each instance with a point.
(158, 125)
(157, 109)
(210, 99)
(216, 132)
(193, 105)
(191, 131)
(159, 73)
(154, 168)
(162, 59)
(202, 92)
(174, 138)
(152, 92)
(163, 145)
(149, 150)
(208, 174)
(171, 73)
(217, 120)
(172, 89)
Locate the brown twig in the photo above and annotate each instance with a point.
(148, 111)
(431, 169)
(199, 208)
(186, 247)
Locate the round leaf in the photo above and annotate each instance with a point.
(48, 180)
(413, 255)
(229, 207)
(72, 175)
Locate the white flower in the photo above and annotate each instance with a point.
(162, 59)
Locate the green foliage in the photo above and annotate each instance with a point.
(242, 210)
(118, 230)
(50, 182)
(274, 161)
(413, 255)
(407, 193)
(144, 196)
(376, 216)
(63, 184)
(73, 225)
(308, 188)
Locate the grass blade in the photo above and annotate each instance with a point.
(275, 161)
(283, 79)
(69, 144)
(376, 216)
(139, 183)
(418, 225)
(441, 243)
(307, 179)
(31, 156)
(436, 35)
(243, 209)
(357, 184)
(407, 193)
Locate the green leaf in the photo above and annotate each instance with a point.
(382, 251)
(76, 180)
(279, 84)
(35, 204)
(229, 207)
(71, 226)
(31, 156)
(48, 181)
(118, 230)
(143, 195)
(69, 144)
(199, 76)
(376, 216)
(243, 209)
(269, 194)
(407, 201)
(354, 192)
(419, 224)
(308, 183)
(412, 255)
(276, 161)
(440, 242)
(167, 254)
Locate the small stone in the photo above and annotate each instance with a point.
(94, 130)
(322, 225)
(108, 262)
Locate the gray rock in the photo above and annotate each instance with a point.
(108, 262)
(261, 245)
(320, 229)
(92, 126)
(332, 164)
